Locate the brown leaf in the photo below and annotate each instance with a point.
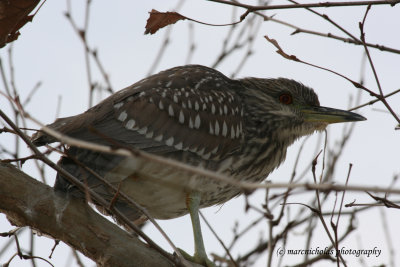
(13, 16)
(158, 20)
(280, 51)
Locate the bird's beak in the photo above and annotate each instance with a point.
(329, 115)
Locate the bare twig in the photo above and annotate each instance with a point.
(232, 261)
(164, 43)
(389, 108)
(298, 29)
(82, 33)
(375, 100)
(321, 4)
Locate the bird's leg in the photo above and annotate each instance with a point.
(200, 256)
(193, 204)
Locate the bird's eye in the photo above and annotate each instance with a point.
(285, 99)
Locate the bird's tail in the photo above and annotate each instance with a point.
(89, 167)
(61, 125)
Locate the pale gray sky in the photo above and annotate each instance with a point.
(49, 51)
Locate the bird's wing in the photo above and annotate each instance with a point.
(187, 112)
(181, 109)
(191, 108)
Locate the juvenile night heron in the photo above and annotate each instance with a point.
(196, 115)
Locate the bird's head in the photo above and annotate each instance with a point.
(286, 109)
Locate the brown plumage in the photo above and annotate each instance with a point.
(196, 115)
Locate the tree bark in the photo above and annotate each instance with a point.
(28, 202)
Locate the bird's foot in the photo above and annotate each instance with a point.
(197, 258)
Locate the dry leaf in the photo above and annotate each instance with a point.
(158, 20)
(13, 16)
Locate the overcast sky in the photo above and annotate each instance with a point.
(49, 51)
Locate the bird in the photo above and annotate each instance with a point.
(193, 114)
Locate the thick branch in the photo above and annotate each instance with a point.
(28, 202)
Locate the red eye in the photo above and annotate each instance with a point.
(285, 99)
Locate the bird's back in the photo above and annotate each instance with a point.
(191, 114)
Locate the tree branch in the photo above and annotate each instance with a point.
(28, 202)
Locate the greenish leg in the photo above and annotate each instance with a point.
(200, 255)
